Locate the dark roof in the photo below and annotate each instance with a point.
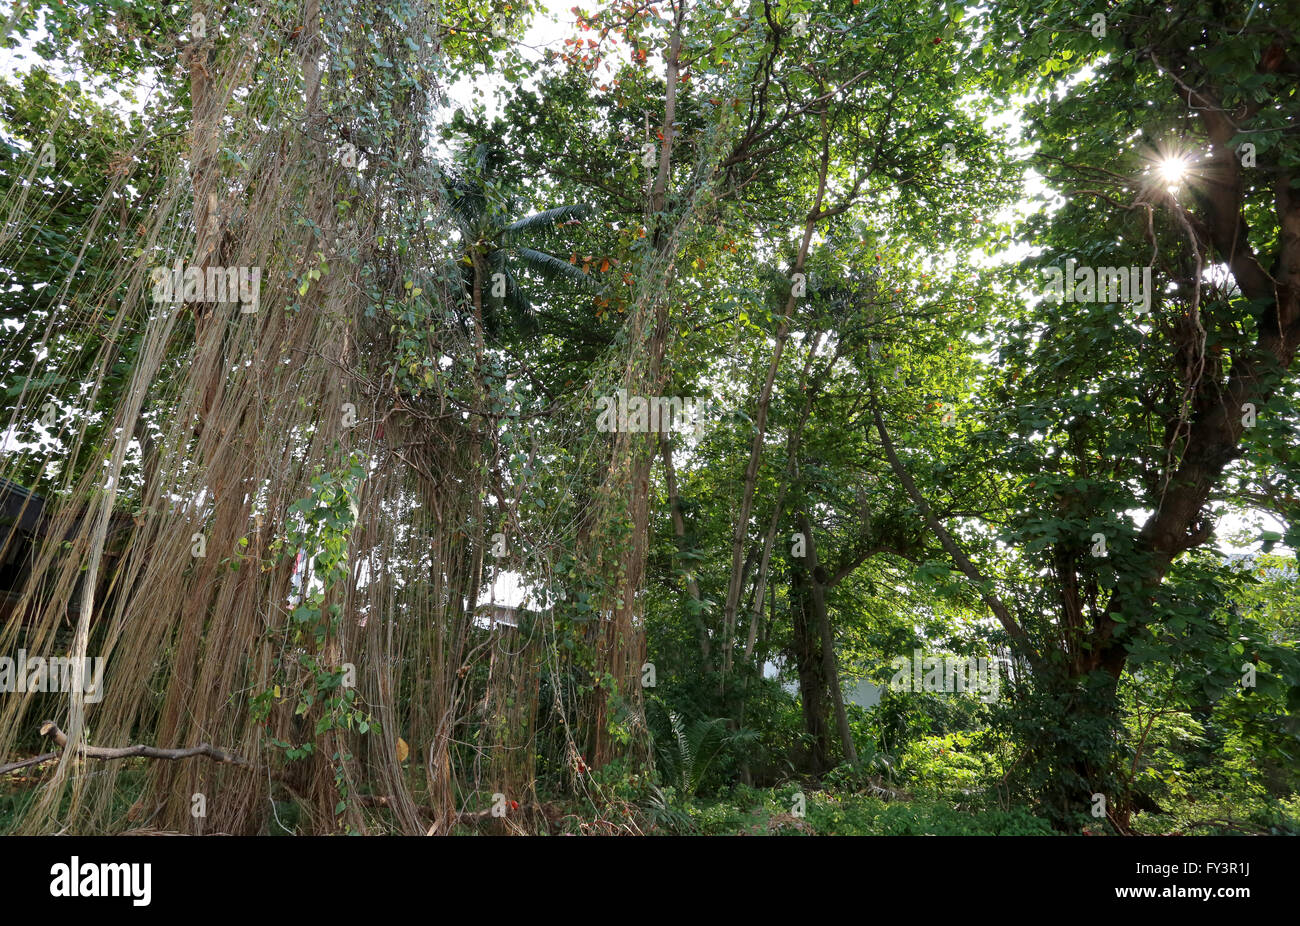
(19, 506)
(23, 508)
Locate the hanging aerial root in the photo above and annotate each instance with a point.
(50, 728)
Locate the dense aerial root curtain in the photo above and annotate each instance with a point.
(283, 548)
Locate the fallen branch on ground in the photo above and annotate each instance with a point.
(35, 760)
(50, 728)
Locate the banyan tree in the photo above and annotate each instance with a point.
(265, 460)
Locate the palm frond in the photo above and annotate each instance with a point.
(512, 298)
(553, 269)
(546, 219)
(467, 204)
(520, 306)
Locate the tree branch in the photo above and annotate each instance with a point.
(50, 728)
(962, 561)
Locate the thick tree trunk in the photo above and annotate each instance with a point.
(830, 665)
(812, 678)
(1214, 432)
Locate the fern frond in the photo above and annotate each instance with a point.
(686, 755)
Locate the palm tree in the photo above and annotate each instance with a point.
(499, 251)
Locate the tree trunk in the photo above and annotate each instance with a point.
(812, 678)
(830, 665)
(815, 216)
